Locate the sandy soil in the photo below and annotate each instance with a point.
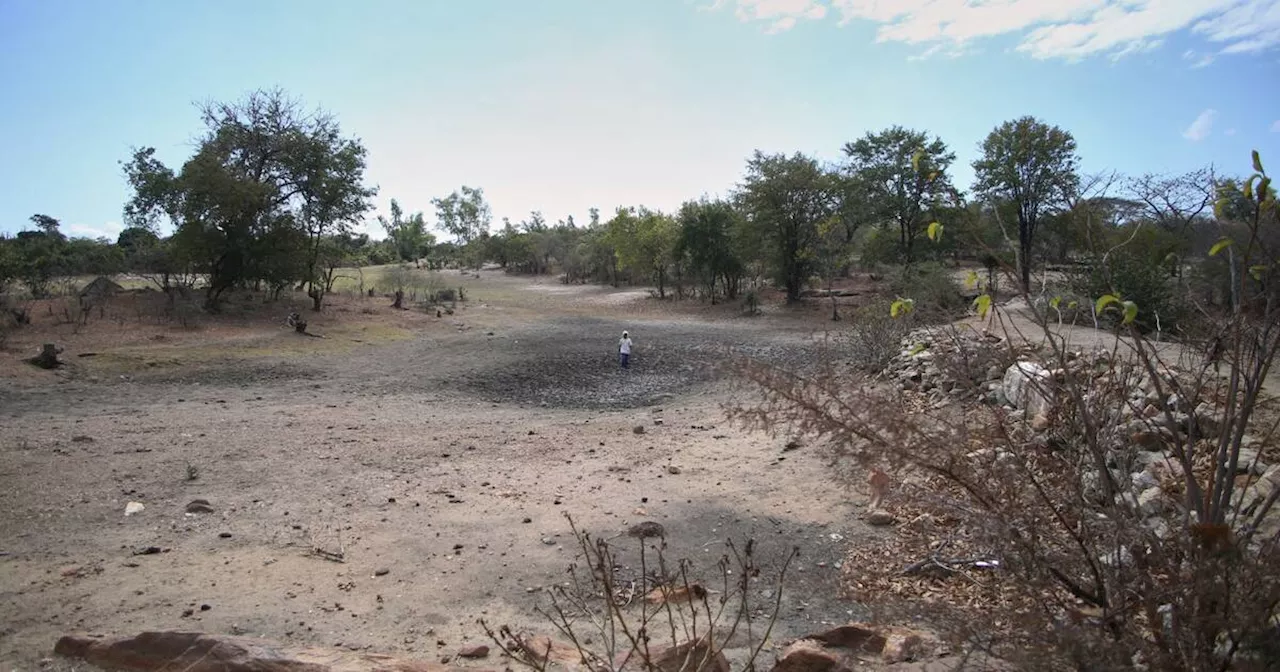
(439, 454)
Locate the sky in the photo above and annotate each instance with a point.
(564, 105)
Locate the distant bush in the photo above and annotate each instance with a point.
(935, 292)
(1161, 304)
(445, 295)
(874, 336)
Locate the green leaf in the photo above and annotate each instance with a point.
(1257, 161)
(971, 280)
(1219, 207)
(1219, 246)
(933, 176)
(934, 232)
(1257, 271)
(1073, 305)
(917, 349)
(899, 308)
(1054, 302)
(1130, 311)
(982, 304)
(1265, 191)
(1248, 186)
(915, 160)
(1104, 301)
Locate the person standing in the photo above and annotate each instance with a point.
(624, 350)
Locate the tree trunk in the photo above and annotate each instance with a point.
(48, 357)
(317, 298)
(399, 304)
(1024, 257)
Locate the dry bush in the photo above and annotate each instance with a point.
(663, 620)
(874, 337)
(1132, 525)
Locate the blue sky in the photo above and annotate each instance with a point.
(561, 105)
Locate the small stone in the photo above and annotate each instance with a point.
(880, 518)
(199, 506)
(224, 535)
(381, 571)
(478, 651)
(549, 541)
(133, 507)
(527, 520)
(673, 469)
(205, 607)
(646, 530)
(638, 429)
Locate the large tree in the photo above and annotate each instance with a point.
(268, 182)
(785, 197)
(408, 235)
(1032, 166)
(903, 174)
(706, 239)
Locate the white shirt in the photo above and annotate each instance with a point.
(624, 346)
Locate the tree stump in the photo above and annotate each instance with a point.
(399, 299)
(299, 325)
(48, 357)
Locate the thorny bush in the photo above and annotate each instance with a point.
(664, 619)
(1132, 527)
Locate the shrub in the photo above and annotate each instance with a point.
(1161, 306)
(874, 337)
(935, 293)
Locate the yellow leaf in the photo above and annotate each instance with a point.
(1257, 271)
(1257, 161)
(1218, 207)
(971, 280)
(1248, 186)
(1219, 246)
(1130, 311)
(982, 304)
(1104, 301)
(1054, 302)
(934, 232)
(915, 160)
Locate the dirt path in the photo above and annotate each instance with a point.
(447, 460)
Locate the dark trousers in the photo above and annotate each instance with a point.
(625, 358)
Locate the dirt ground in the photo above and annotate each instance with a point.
(440, 455)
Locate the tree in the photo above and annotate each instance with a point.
(785, 198)
(41, 255)
(465, 215)
(1033, 166)
(410, 236)
(904, 175)
(645, 241)
(267, 182)
(706, 239)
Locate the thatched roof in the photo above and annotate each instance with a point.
(101, 286)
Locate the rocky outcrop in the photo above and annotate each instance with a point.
(198, 652)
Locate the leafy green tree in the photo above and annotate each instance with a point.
(706, 239)
(267, 182)
(785, 198)
(409, 236)
(645, 241)
(465, 215)
(1031, 165)
(903, 176)
(41, 255)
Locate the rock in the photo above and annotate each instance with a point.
(224, 535)
(477, 651)
(880, 518)
(549, 541)
(1247, 462)
(1040, 422)
(809, 656)
(1026, 385)
(133, 507)
(693, 656)
(793, 444)
(902, 646)
(646, 530)
(638, 429)
(542, 650)
(198, 652)
(381, 571)
(1151, 501)
(199, 506)
(673, 470)
(1143, 481)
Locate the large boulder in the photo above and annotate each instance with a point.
(199, 652)
(1027, 386)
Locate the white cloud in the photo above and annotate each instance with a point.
(1049, 29)
(1197, 59)
(1275, 126)
(1201, 127)
(109, 230)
